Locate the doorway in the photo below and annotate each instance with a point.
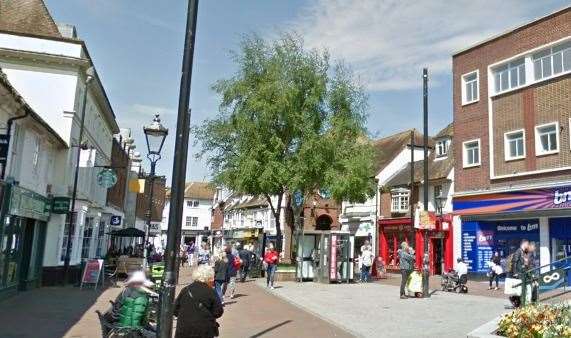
(33, 239)
(437, 253)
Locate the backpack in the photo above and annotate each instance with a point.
(510, 263)
(237, 263)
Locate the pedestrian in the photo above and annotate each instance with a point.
(406, 266)
(530, 266)
(183, 255)
(517, 268)
(366, 262)
(220, 272)
(197, 307)
(271, 259)
(246, 258)
(190, 251)
(131, 305)
(231, 271)
(495, 270)
(203, 254)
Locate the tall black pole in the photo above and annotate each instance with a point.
(71, 219)
(178, 176)
(149, 212)
(425, 259)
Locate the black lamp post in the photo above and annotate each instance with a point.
(155, 134)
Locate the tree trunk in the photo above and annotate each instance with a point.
(277, 213)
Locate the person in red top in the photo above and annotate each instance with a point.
(271, 261)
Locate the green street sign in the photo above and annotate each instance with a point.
(107, 178)
(60, 205)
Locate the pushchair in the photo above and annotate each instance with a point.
(451, 282)
(110, 328)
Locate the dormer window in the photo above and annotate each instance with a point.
(442, 147)
(400, 201)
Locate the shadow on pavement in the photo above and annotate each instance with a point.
(240, 295)
(48, 311)
(271, 328)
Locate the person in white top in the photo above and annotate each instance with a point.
(367, 258)
(461, 267)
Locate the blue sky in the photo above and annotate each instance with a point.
(137, 49)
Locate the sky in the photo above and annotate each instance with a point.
(136, 46)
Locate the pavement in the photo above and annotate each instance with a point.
(373, 309)
(55, 312)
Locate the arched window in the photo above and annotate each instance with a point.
(323, 222)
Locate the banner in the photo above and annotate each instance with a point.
(526, 200)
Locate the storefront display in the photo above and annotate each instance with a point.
(480, 239)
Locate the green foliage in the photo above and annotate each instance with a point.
(289, 122)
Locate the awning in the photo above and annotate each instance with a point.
(128, 232)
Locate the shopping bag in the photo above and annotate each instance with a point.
(414, 283)
(511, 290)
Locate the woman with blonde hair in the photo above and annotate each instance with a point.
(197, 307)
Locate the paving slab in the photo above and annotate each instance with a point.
(374, 310)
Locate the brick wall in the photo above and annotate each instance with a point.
(324, 207)
(471, 121)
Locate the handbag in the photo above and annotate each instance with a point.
(511, 290)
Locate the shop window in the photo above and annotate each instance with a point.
(9, 253)
(87, 236)
(514, 145)
(400, 200)
(471, 153)
(547, 139)
(66, 236)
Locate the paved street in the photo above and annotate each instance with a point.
(367, 309)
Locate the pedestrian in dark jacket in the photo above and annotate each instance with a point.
(220, 275)
(246, 258)
(197, 307)
(406, 266)
(518, 268)
(232, 272)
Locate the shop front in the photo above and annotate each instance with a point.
(22, 238)
(392, 232)
(500, 221)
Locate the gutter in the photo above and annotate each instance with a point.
(9, 137)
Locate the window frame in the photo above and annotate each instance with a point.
(399, 195)
(464, 83)
(465, 157)
(538, 148)
(507, 154)
(445, 147)
(508, 67)
(550, 55)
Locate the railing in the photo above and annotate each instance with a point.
(554, 277)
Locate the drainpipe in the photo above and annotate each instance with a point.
(9, 136)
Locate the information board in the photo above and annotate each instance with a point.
(92, 272)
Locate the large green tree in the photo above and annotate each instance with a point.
(289, 122)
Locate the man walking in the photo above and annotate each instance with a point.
(366, 262)
(232, 271)
(406, 266)
(517, 268)
(246, 257)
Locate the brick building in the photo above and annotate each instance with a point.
(512, 110)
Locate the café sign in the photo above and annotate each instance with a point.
(26, 203)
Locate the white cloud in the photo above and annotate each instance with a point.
(388, 42)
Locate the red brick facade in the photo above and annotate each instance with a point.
(524, 108)
(324, 211)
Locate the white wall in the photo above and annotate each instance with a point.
(40, 45)
(203, 212)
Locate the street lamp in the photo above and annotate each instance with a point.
(155, 134)
(89, 75)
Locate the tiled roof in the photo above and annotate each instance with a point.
(386, 149)
(437, 168)
(199, 190)
(27, 17)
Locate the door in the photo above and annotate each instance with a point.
(437, 259)
(28, 226)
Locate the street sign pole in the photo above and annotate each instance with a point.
(425, 258)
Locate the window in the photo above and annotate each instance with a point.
(547, 139)
(470, 87)
(514, 145)
(552, 61)
(195, 221)
(472, 153)
(195, 203)
(510, 75)
(66, 237)
(438, 199)
(399, 199)
(87, 234)
(188, 221)
(192, 203)
(441, 148)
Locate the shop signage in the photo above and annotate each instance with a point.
(155, 228)
(60, 205)
(115, 220)
(107, 178)
(91, 272)
(527, 200)
(552, 279)
(426, 220)
(26, 203)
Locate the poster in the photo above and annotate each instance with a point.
(91, 272)
(333, 265)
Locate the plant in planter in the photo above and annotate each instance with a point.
(537, 321)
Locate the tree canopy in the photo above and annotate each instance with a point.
(289, 121)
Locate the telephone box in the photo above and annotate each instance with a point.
(336, 260)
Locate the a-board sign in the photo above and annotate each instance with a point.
(92, 272)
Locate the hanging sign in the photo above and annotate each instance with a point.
(107, 178)
(91, 272)
(426, 220)
(60, 205)
(115, 220)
